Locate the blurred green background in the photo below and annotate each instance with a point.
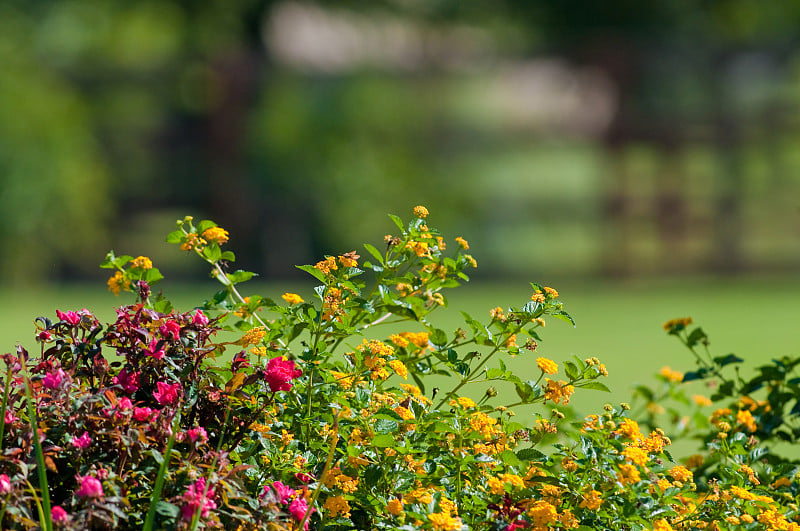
(643, 157)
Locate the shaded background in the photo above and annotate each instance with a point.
(579, 138)
(643, 157)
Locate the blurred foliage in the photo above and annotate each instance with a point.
(118, 114)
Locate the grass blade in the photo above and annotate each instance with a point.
(155, 497)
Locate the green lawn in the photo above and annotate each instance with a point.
(620, 323)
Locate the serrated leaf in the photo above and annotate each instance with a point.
(727, 360)
(205, 225)
(385, 426)
(571, 370)
(241, 276)
(564, 316)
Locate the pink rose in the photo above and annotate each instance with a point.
(283, 492)
(10, 417)
(154, 351)
(198, 433)
(83, 441)
(5, 484)
(199, 319)
(59, 515)
(166, 394)
(90, 488)
(198, 498)
(70, 317)
(280, 371)
(129, 381)
(142, 414)
(299, 508)
(125, 404)
(53, 379)
(170, 328)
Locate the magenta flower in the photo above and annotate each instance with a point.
(142, 413)
(198, 433)
(199, 319)
(70, 317)
(280, 371)
(166, 394)
(283, 492)
(90, 488)
(170, 328)
(198, 498)
(44, 335)
(5, 484)
(125, 404)
(154, 351)
(129, 381)
(83, 441)
(10, 417)
(299, 508)
(59, 515)
(53, 379)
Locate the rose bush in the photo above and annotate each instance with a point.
(311, 419)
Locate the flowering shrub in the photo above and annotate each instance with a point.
(311, 419)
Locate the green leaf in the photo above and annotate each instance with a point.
(397, 221)
(696, 336)
(241, 276)
(175, 236)
(167, 509)
(212, 252)
(383, 441)
(385, 426)
(595, 385)
(374, 252)
(727, 360)
(571, 370)
(699, 374)
(564, 316)
(510, 458)
(313, 271)
(228, 256)
(205, 225)
(531, 454)
(437, 337)
(152, 275)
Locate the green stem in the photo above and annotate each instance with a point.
(324, 475)
(162, 470)
(4, 407)
(45, 516)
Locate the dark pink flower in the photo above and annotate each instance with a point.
(302, 477)
(90, 487)
(125, 404)
(199, 319)
(70, 317)
(59, 515)
(5, 484)
(143, 413)
(170, 328)
(154, 351)
(284, 493)
(129, 381)
(44, 335)
(166, 394)
(10, 417)
(53, 379)
(280, 371)
(198, 433)
(83, 441)
(198, 498)
(299, 508)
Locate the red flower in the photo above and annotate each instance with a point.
(129, 381)
(279, 373)
(70, 317)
